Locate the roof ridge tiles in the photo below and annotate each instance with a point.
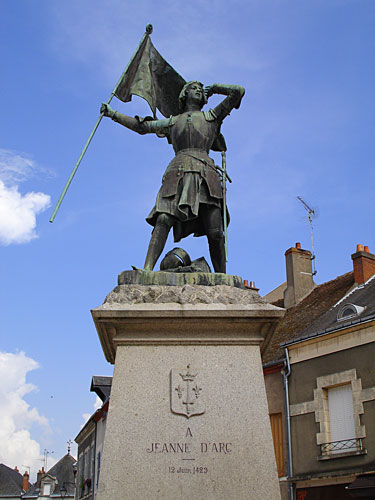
(307, 312)
(354, 289)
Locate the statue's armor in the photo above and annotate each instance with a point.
(192, 135)
(191, 177)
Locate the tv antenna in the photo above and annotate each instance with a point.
(311, 213)
(45, 459)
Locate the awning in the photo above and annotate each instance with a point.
(362, 487)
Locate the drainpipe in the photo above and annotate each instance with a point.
(286, 375)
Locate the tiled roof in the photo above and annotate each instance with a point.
(10, 482)
(63, 472)
(362, 295)
(306, 314)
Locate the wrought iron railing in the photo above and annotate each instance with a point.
(344, 446)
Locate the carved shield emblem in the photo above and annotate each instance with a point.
(187, 392)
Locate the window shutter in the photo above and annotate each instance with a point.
(341, 418)
(277, 436)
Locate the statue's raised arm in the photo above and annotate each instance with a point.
(234, 95)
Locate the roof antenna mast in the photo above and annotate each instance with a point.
(311, 213)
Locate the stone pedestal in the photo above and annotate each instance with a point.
(188, 415)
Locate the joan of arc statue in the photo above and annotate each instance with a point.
(190, 198)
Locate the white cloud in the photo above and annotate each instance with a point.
(16, 415)
(15, 167)
(18, 211)
(97, 404)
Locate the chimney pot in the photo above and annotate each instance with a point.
(363, 264)
(246, 283)
(253, 287)
(298, 245)
(16, 469)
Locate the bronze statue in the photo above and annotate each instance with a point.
(191, 196)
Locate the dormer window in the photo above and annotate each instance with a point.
(46, 489)
(47, 486)
(348, 311)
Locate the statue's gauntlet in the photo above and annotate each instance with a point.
(234, 93)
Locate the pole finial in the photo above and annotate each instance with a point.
(149, 29)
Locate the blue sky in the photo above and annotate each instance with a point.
(305, 127)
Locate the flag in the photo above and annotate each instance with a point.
(150, 76)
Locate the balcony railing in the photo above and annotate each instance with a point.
(344, 446)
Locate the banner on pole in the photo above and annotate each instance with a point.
(150, 76)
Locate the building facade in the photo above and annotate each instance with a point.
(320, 380)
(90, 443)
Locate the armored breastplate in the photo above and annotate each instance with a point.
(192, 130)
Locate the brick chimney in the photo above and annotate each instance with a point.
(363, 264)
(40, 474)
(25, 481)
(298, 274)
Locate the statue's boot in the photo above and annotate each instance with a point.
(216, 244)
(158, 240)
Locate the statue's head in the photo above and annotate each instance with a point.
(190, 87)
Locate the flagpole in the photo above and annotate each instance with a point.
(224, 181)
(147, 33)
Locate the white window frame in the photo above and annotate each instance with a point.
(319, 405)
(46, 486)
(321, 399)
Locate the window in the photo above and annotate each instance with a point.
(341, 419)
(87, 463)
(81, 479)
(277, 436)
(348, 311)
(338, 406)
(87, 470)
(46, 489)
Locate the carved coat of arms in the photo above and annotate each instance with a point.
(187, 392)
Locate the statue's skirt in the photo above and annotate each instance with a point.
(189, 181)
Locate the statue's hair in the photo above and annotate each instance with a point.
(182, 96)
